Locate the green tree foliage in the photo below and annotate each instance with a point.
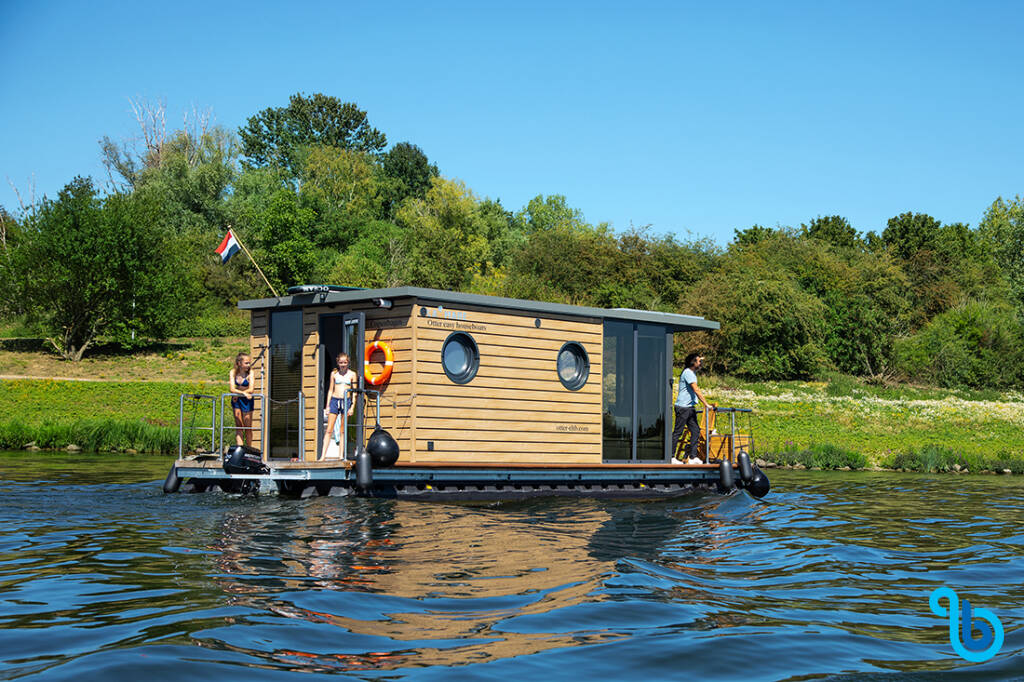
(279, 229)
(445, 236)
(975, 345)
(1002, 229)
(835, 230)
(771, 328)
(752, 235)
(282, 136)
(408, 172)
(92, 266)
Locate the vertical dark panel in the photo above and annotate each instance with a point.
(652, 391)
(617, 403)
(285, 360)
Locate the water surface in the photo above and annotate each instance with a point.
(105, 577)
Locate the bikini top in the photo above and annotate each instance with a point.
(244, 383)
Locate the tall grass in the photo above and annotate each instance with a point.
(940, 459)
(818, 456)
(93, 435)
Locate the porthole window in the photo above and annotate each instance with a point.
(460, 357)
(573, 366)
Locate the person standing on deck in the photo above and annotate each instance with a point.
(338, 399)
(686, 406)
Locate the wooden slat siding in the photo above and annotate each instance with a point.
(259, 321)
(534, 453)
(515, 409)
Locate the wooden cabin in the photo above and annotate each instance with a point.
(476, 379)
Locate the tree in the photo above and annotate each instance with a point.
(835, 230)
(445, 236)
(1002, 228)
(281, 136)
(908, 233)
(409, 171)
(89, 266)
(752, 235)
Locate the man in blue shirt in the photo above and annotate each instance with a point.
(686, 406)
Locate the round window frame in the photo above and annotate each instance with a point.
(474, 361)
(583, 376)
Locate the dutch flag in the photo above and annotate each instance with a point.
(228, 248)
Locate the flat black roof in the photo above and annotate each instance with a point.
(326, 296)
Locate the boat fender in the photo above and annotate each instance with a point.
(364, 469)
(173, 481)
(746, 469)
(389, 362)
(383, 448)
(726, 476)
(759, 485)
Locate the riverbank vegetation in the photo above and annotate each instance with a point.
(827, 330)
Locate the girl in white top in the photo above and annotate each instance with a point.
(342, 379)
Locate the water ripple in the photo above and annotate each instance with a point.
(827, 577)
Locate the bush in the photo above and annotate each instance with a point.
(941, 459)
(976, 345)
(819, 456)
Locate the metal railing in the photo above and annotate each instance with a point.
(732, 412)
(195, 398)
(262, 428)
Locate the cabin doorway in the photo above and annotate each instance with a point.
(636, 392)
(341, 333)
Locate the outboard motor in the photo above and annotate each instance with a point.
(243, 459)
(382, 447)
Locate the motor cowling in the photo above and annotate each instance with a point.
(243, 459)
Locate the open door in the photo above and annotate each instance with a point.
(341, 333)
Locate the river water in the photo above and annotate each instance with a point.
(104, 577)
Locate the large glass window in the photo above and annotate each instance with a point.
(282, 409)
(652, 394)
(617, 391)
(635, 392)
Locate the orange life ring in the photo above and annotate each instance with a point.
(389, 362)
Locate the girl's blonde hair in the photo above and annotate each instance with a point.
(238, 360)
(342, 355)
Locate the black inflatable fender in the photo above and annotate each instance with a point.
(364, 469)
(383, 448)
(173, 481)
(726, 476)
(759, 485)
(745, 467)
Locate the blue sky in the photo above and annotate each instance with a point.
(694, 118)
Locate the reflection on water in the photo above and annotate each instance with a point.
(102, 575)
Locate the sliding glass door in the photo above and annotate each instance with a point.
(636, 392)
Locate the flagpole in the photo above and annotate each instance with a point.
(254, 263)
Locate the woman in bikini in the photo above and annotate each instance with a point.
(241, 399)
(342, 379)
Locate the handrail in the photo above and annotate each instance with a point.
(196, 397)
(261, 428)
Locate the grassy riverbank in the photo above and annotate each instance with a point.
(119, 401)
(831, 424)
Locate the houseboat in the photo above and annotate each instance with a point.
(459, 396)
